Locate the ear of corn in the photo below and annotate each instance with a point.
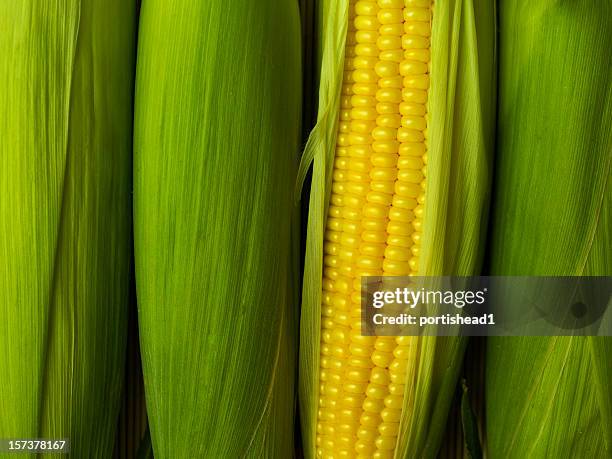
(551, 397)
(216, 143)
(65, 215)
(401, 159)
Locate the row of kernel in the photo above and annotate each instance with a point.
(405, 217)
(384, 162)
(333, 355)
(362, 116)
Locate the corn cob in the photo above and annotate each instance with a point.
(551, 396)
(399, 164)
(217, 131)
(65, 216)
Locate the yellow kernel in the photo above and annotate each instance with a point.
(419, 3)
(354, 387)
(373, 210)
(390, 16)
(366, 36)
(390, 120)
(362, 101)
(374, 225)
(344, 126)
(337, 200)
(347, 428)
(365, 62)
(364, 448)
(417, 82)
(354, 201)
(397, 254)
(353, 227)
(411, 68)
(393, 95)
(394, 82)
(373, 250)
(393, 55)
(401, 215)
(366, 49)
(352, 401)
(365, 433)
(389, 42)
(331, 389)
(367, 76)
(398, 366)
(360, 362)
(382, 454)
(399, 228)
(390, 415)
(391, 3)
(412, 149)
(384, 133)
(418, 96)
(394, 401)
(383, 149)
(372, 405)
(409, 108)
(397, 389)
(363, 22)
(357, 188)
(366, 8)
(382, 187)
(374, 236)
(384, 174)
(411, 162)
(387, 69)
(408, 190)
(361, 148)
(381, 358)
(384, 344)
(378, 198)
(422, 29)
(406, 135)
(385, 108)
(389, 429)
(410, 176)
(385, 443)
(415, 14)
(366, 89)
(414, 122)
(404, 202)
(420, 55)
(396, 268)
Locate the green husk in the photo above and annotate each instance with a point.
(551, 396)
(217, 129)
(461, 124)
(66, 88)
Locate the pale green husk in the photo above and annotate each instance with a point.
(552, 396)
(66, 88)
(462, 114)
(217, 128)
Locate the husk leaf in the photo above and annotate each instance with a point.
(217, 131)
(66, 90)
(551, 396)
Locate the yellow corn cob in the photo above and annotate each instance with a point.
(374, 222)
